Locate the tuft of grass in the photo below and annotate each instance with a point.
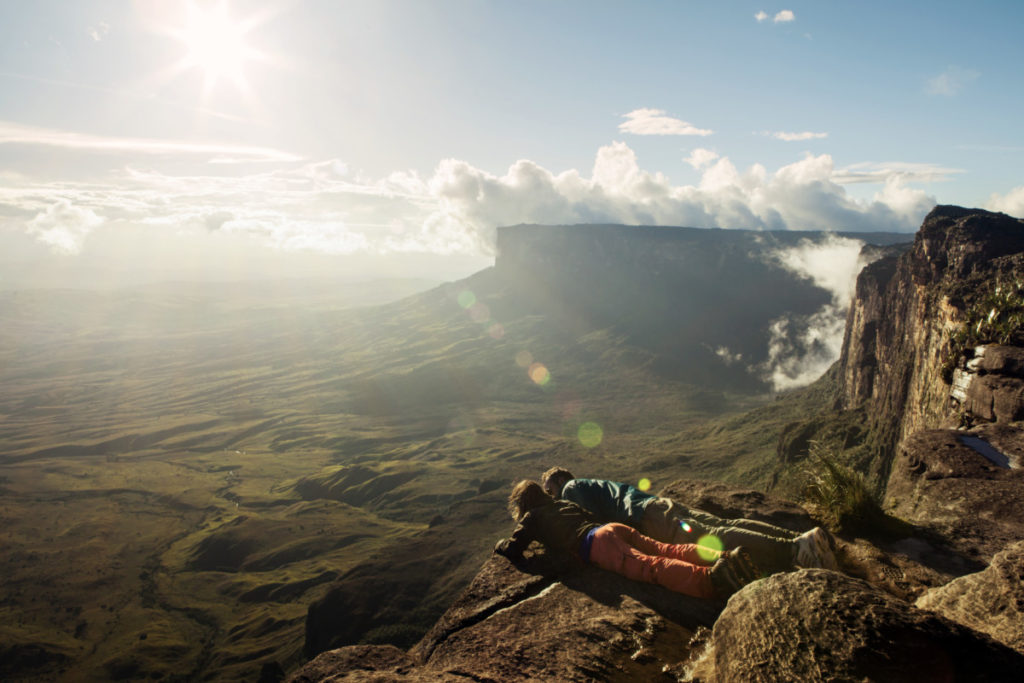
(840, 496)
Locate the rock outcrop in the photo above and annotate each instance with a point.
(511, 624)
(545, 621)
(817, 625)
(904, 317)
(941, 481)
(990, 601)
(990, 387)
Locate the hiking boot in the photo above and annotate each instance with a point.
(814, 549)
(733, 570)
(825, 546)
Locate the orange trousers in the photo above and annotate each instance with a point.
(624, 550)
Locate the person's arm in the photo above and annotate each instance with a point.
(513, 546)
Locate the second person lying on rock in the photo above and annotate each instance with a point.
(773, 548)
(565, 528)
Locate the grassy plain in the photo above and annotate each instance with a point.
(183, 471)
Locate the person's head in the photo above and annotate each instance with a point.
(554, 479)
(525, 496)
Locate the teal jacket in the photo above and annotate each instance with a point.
(608, 501)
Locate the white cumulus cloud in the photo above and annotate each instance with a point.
(761, 16)
(784, 16)
(64, 226)
(1011, 203)
(656, 122)
(701, 158)
(326, 207)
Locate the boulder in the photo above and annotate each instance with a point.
(990, 601)
(995, 398)
(817, 625)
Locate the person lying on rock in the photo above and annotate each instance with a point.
(773, 548)
(564, 528)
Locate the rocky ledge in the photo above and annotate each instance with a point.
(541, 621)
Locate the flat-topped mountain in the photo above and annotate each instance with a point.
(710, 304)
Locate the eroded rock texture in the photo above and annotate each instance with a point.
(818, 625)
(940, 482)
(512, 624)
(990, 601)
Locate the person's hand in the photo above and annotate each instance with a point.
(502, 547)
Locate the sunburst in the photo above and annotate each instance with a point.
(215, 43)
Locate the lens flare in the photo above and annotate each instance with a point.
(685, 527)
(497, 331)
(466, 298)
(644, 484)
(590, 434)
(539, 374)
(709, 547)
(524, 359)
(571, 407)
(479, 312)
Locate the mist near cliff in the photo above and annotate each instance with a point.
(802, 347)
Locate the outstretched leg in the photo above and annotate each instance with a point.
(613, 549)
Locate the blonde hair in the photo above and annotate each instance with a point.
(525, 496)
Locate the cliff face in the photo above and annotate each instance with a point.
(908, 310)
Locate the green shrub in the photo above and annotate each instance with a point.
(995, 317)
(839, 496)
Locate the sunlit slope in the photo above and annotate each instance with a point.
(184, 474)
(184, 471)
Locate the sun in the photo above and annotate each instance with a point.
(215, 44)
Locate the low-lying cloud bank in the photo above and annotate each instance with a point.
(801, 348)
(323, 207)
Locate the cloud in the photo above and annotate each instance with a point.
(871, 172)
(761, 16)
(802, 195)
(99, 31)
(655, 122)
(14, 133)
(951, 81)
(326, 207)
(63, 226)
(1011, 203)
(784, 16)
(794, 137)
(728, 357)
(701, 158)
(801, 348)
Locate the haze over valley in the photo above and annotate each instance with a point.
(291, 292)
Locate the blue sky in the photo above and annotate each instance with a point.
(387, 137)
